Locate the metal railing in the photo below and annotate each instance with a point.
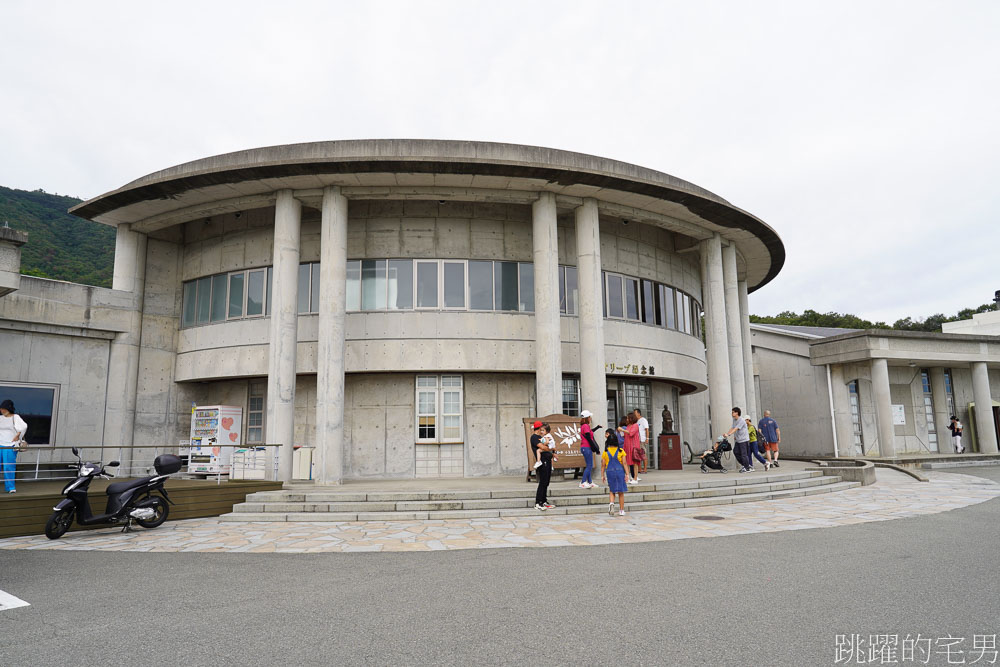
(247, 462)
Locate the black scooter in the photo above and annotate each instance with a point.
(127, 501)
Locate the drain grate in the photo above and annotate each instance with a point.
(710, 517)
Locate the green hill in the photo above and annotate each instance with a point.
(60, 246)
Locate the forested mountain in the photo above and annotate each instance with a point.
(811, 318)
(60, 246)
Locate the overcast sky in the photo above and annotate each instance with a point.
(865, 133)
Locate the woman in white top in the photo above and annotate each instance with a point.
(12, 429)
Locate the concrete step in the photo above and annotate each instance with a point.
(593, 505)
(527, 491)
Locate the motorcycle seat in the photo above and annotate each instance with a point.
(120, 487)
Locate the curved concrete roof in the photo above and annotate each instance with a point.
(193, 189)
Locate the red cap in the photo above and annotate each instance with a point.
(536, 425)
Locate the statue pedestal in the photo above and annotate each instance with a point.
(670, 452)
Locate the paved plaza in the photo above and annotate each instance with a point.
(894, 496)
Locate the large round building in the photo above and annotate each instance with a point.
(401, 305)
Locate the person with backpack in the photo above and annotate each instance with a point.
(588, 447)
(755, 445)
(613, 459)
(742, 447)
(768, 428)
(956, 434)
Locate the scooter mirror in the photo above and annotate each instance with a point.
(76, 452)
(115, 464)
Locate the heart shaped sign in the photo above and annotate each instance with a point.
(234, 436)
(227, 423)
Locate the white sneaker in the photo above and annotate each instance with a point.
(538, 464)
(621, 512)
(611, 509)
(539, 507)
(583, 485)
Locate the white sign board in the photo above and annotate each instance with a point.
(898, 415)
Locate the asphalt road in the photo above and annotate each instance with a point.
(768, 599)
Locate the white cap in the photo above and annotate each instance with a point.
(586, 413)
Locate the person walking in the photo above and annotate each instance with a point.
(12, 429)
(755, 445)
(613, 459)
(742, 447)
(588, 447)
(544, 471)
(956, 434)
(768, 429)
(643, 438)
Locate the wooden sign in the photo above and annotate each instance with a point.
(566, 431)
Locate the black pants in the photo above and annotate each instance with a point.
(742, 452)
(544, 474)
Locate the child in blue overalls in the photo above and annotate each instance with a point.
(613, 460)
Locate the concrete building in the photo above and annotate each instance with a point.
(398, 305)
(844, 392)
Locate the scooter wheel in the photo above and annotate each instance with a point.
(58, 524)
(159, 505)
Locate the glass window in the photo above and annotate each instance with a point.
(616, 308)
(568, 290)
(37, 405)
(697, 317)
(353, 293)
(439, 401)
(480, 285)
(505, 280)
(236, 294)
(427, 284)
(454, 285)
(562, 289)
(267, 301)
(255, 292)
(373, 284)
(219, 297)
(400, 284)
(604, 293)
(687, 314)
(204, 299)
(571, 396)
(190, 302)
(949, 392)
(314, 289)
(526, 303)
(303, 295)
(631, 299)
(680, 313)
(859, 445)
(667, 306)
(649, 311)
(255, 413)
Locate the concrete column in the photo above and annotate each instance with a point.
(883, 407)
(123, 371)
(284, 330)
(986, 433)
(330, 357)
(844, 427)
(751, 405)
(593, 382)
(548, 360)
(734, 335)
(939, 396)
(720, 398)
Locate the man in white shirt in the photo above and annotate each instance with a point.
(643, 435)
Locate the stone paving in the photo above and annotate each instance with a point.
(894, 496)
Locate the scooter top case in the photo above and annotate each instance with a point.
(167, 464)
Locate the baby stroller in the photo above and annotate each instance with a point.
(712, 458)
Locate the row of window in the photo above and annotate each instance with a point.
(437, 284)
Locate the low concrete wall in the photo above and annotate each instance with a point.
(856, 471)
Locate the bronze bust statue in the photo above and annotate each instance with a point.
(668, 422)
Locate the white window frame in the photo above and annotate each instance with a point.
(263, 411)
(465, 284)
(416, 284)
(53, 425)
(438, 390)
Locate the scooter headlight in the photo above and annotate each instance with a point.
(86, 470)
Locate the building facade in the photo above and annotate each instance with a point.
(399, 306)
(843, 392)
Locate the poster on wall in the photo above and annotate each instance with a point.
(898, 415)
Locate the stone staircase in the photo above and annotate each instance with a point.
(702, 490)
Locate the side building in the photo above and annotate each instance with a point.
(845, 392)
(398, 305)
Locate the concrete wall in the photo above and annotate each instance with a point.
(796, 393)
